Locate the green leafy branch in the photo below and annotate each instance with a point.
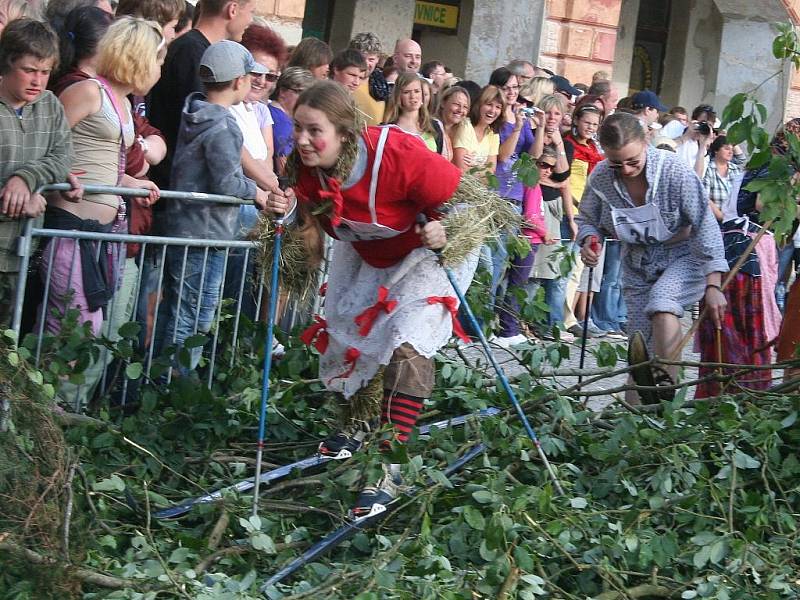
(745, 119)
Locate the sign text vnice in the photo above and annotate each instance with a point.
(436, 15)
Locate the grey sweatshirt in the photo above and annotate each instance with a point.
(208, 158)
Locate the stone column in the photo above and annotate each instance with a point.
(623, 50)
(743, 65)
(501, 31)
(389, 20)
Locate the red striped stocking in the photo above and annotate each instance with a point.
(402, 411)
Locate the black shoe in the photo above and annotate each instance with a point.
(342, 444)
(373, 500)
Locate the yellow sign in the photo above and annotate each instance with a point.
(436, 15)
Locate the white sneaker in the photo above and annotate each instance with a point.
(277, 349)
(566, 336)
(507, 342)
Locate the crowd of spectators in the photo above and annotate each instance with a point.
(157, 94)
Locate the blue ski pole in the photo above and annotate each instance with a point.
(422, 220)
(273, 309)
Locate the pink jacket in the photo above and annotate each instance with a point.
(533, 213)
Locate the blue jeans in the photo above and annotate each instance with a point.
(555, 292)
(187, 309)
(494, 257)
(608, 306)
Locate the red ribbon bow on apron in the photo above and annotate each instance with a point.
(366, 319)
(316, 334)
(350, 358)
(449, 303)
(334, 194)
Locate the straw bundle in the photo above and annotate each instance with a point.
(473, 216)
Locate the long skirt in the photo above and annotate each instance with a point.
(743, 339)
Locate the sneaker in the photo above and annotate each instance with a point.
(616, 335)
(591, 331)
(278, 351)
(507, 342)
(566, 336)
(595, 330)
(373, 500)
(342, 444)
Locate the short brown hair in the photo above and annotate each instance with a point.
(27, 37)
(160, 11)
(212, 8)
(310, 53)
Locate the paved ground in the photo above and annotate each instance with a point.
(512, 366)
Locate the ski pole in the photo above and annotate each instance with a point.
(422, 220)
(595, 247)
(273, 309)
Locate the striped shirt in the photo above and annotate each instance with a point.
(36, 146)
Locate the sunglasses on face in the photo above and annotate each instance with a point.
(271, 77)
(628, 163)
(545, 165)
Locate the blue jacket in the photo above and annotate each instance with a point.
(208, 158)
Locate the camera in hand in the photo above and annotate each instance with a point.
(528, 112)
(703, 128)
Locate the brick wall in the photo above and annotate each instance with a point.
(284, 16)
(580, 37)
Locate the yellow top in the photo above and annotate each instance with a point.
(488, 146)
(372, 109)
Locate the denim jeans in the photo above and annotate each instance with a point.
(187, 309)
(608, 306)
(555, 291)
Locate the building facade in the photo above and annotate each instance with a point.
(688, 51)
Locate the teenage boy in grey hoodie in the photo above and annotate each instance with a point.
(207, 159)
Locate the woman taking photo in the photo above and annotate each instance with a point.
(292, 82)
(673, 253)
(406, 109)
(724, 168)
(478, 141)
(378, 355)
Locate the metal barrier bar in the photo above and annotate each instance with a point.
(143, 193)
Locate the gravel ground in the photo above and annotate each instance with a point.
(474, 354)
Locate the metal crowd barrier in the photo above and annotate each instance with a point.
(247, 291)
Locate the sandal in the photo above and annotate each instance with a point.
(645, 375)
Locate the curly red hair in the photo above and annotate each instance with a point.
(257, 38)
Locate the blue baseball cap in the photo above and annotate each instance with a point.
(647, 99)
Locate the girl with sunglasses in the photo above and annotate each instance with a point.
(253, 115)
(673, 253)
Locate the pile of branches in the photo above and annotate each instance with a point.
(685, 500)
